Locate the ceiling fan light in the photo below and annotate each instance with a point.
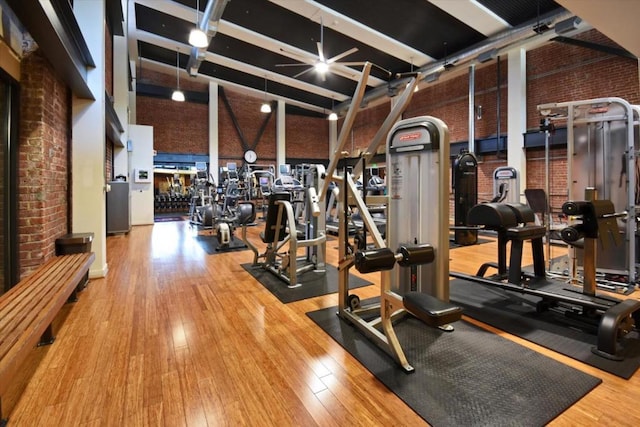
(322, 67)
(177, 95)
(198, 38)
(332, 117)
(265, 108)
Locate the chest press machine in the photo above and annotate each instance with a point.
(283, 239)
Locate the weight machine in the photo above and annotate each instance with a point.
(414, 277)
(602, 153)
(283, 239)
(610, 317)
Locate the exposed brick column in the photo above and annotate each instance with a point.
(43, 161)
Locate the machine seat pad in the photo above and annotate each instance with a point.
(494, 216)
(526, 232)
(430, 309)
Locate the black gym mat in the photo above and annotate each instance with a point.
(468, 377)
(312, 284)
(210, 244)
(516, 314)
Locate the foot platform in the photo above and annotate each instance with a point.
(431, 310)
(616, 322)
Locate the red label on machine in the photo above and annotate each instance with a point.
(410, 136)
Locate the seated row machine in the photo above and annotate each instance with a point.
(425, 307)
(614, 318)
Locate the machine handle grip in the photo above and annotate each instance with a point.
(313, 199)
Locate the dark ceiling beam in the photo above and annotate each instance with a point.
(611, 50)
(54, 28)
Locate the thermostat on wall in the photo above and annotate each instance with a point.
(142, 175)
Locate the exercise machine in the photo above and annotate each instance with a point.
(602, 152)
(282, 237)
(506, 185)
(596, 219)
(413, 276)
(465, 196)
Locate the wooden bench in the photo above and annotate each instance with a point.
(27, 310)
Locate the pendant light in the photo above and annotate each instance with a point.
(265, 107)
(333, 116)
(177, 94)
(197, 37)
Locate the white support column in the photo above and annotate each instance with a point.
(214, 134)
(517, 114)
(88, 208)
(281, 153)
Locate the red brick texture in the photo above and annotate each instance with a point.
(43, 161)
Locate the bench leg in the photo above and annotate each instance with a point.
(47, 338)
(74, 296)
(3, 420)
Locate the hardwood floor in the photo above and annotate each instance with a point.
(173, 336)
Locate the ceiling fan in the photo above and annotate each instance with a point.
(320, 63)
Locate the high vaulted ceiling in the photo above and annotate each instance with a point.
(253, 37)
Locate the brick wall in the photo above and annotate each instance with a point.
(184, 127)
(43, 161)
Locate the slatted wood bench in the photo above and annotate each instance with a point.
(27, 310)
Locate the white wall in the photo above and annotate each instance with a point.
(141, 158)
(89, 140)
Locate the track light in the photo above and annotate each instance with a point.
(177, 94)
(197, 37)
(488, 56)
(567, 25)
(430, 78)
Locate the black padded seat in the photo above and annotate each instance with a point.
(506, 219)
(246, 213)
(269, 233)
(523, 213)
(430, 309)
(493, 216)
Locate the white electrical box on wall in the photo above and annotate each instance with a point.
(142, 176)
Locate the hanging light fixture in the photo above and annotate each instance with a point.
(265, 107)
(197, 37)
(177, 94)
(333, 116)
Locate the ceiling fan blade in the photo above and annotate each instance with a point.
(301, 58)
(292, 65)
(303, 72)
(350, 64)
(342, 55)
(320, 53)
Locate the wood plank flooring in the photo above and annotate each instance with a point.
(173, 336)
